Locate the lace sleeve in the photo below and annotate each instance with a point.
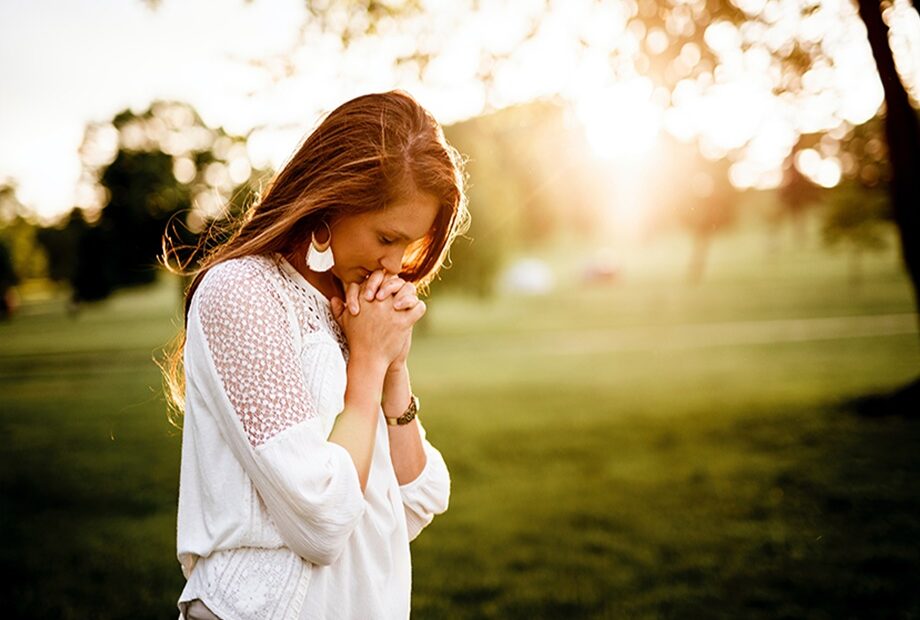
(258, 393)
(251, 342)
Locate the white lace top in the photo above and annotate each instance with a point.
(272, 522)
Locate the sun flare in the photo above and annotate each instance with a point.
(621, 121)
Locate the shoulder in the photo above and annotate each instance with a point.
(250, 267)
(245, 280)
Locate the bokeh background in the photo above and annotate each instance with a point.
(673, 366)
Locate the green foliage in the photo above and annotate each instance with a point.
(8, 275)
(27, 256)
(61, 244)
(168, 166)
(857, 216)
(143, 194)
(18, 235)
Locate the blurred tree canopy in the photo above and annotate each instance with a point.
(694, 193)
(530, 177)
(855, 219)
(141, 172)
(677, 44)
(18, 233)
(8, 279)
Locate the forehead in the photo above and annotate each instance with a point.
(412, 216)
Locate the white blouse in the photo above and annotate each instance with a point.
(272, 522)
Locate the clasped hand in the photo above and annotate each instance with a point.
(377, 317)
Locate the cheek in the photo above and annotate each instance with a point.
(351, 250)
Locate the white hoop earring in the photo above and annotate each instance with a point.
(319, 255)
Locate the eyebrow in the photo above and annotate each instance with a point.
(392, 232)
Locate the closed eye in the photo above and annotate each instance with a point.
(385, 240)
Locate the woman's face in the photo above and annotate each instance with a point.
(375, 240)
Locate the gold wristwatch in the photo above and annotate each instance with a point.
(408, 416)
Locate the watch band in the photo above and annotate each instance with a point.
(406, 417)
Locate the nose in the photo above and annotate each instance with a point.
(392, 261)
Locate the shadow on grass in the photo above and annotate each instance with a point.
(850, 511)
(903, 401)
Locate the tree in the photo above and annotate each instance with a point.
(697, 196)
(902, 132)
(683, 46)
(141, 172)
(855, 218)
(18, 232)
(60, 244)
(8, 279)
(143, 195)
(797, 193)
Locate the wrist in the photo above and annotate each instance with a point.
(407, 415)
(368, 362)
(397, 366)
(366, 373)
(396, 388)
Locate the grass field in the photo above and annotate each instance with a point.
(647, 450)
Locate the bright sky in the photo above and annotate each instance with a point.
(68, 62)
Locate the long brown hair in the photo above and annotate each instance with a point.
(367, 153)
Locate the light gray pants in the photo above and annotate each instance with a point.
(197, 610)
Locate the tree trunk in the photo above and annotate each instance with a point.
(902, 131)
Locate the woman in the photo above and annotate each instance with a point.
(305, 472)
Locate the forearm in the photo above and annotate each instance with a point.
(355, 428)
(406, 449)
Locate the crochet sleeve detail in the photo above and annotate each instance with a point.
(251, 340)
(245, 369)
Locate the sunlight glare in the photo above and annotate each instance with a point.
(621, 121)
(825, 172)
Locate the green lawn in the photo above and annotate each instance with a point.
(648, 449)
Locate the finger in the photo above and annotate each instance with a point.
(372, 283)
(405, 300)
(406, 304)
(406, 297)
(338, 307)
(390, 286)
(352, 293)
(418, 311)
